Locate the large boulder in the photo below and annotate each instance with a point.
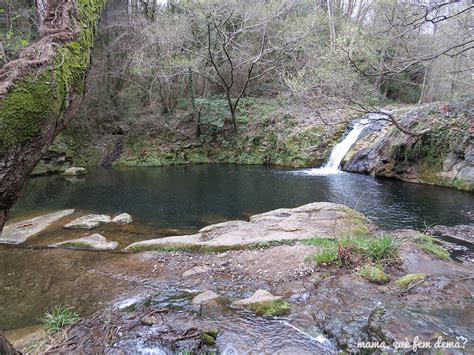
(89, 221)
(315, 219)
(17, 233)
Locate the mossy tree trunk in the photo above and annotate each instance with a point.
(40, 91)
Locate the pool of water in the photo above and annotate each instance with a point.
(190, 197)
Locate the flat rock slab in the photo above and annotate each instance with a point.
(321, 219)
(89, 221)
(17, 233)
(92, 242)
(257, 297)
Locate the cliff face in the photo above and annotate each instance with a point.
(444, 156)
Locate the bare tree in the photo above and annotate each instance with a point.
(228, 44)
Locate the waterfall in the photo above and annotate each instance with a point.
(341, 149)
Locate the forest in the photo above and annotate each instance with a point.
(223, 176)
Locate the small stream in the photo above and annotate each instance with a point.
(182, 199)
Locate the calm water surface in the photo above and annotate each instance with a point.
(194, 196)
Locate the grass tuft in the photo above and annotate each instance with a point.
(432, 246)
(383, 249)
(59, 317)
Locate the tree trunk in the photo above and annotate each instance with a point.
(27, 133)
(5, 347)
(332, 25)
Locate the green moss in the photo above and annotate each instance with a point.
(271, 308)
(436, 250)
(44, 95)
(76, 245)
(209, 337)
(190, 248)
(423, 239)
(374, 274)
(431, 245)
(405, 281)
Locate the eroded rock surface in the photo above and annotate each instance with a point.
(315, 219)
(17, 233)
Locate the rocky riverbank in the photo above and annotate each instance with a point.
(203, 299)
(443, 156)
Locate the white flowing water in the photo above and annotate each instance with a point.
(341, 149)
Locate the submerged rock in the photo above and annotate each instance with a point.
(205, 297)
(196, 270)
(74, 171)
(263, 303)
(94, 241)
(89, 221)
(19, 232)
(319, 218)
(258, 297)
(123, 218)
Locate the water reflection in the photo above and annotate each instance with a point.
(191, 196)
